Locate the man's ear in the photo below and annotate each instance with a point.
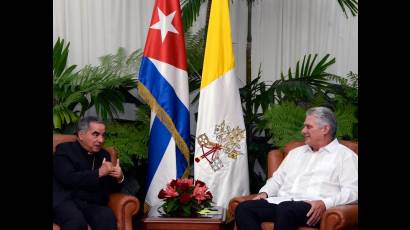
(326, 129)
(80, 135)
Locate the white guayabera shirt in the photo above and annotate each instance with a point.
(330, 175)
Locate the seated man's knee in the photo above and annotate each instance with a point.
(284, 209)
(242, 206)
(105, 215)
(68, 216)
(105, 212)
(75, 222)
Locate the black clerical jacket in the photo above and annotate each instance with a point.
(76, 175)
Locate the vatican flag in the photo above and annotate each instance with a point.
(220, 148)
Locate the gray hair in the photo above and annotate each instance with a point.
(325, 117)
(84, 123)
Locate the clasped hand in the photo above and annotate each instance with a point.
(260, 196)
(107, 168)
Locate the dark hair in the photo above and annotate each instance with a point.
(84, 123)
(325, 117)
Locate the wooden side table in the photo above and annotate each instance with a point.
(154, 221)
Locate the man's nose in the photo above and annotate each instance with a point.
(100, 139)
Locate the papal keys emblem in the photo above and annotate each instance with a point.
(227, 142)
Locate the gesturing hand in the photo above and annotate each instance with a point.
(105, 169)
(117, 171)
(315, 212)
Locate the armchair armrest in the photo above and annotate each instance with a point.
(233, 203)
(340, 217)
(124, 207)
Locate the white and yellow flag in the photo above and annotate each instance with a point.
(221, 159)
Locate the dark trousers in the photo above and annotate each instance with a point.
(288, 215)
(72, 216)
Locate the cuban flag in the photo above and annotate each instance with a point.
(163, 83)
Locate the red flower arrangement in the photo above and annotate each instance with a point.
(183, 197)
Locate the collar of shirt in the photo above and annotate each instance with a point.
(331, 147)
(83, 151)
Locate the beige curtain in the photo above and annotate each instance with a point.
(283, 31)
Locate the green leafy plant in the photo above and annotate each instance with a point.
(347, 98)
(63, 103)
(347, 90)
(130, 139)
(105, 86)
(307, 79)
(346, 119)
(352, 5)
(195, 45)
(310, 82)
(123, 67)
(285, 122)
(259, 96)
(190, 11)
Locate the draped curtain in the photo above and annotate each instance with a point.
(98, 27)
(283, 31)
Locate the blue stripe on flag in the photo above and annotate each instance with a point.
(166, 97)
(181, 163)
(159, 140)
(160, 136)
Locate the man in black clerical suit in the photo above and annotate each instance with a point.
(83, 178)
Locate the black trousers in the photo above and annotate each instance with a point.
(287, 215)
(71, 215)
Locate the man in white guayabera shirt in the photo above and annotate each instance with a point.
(312, 178)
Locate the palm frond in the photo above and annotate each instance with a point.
(190, 11)
(352, 5)
(62, 115)
(60, 55)
(120, 64)
(101, 86)
(195, 44)
(308, 78)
